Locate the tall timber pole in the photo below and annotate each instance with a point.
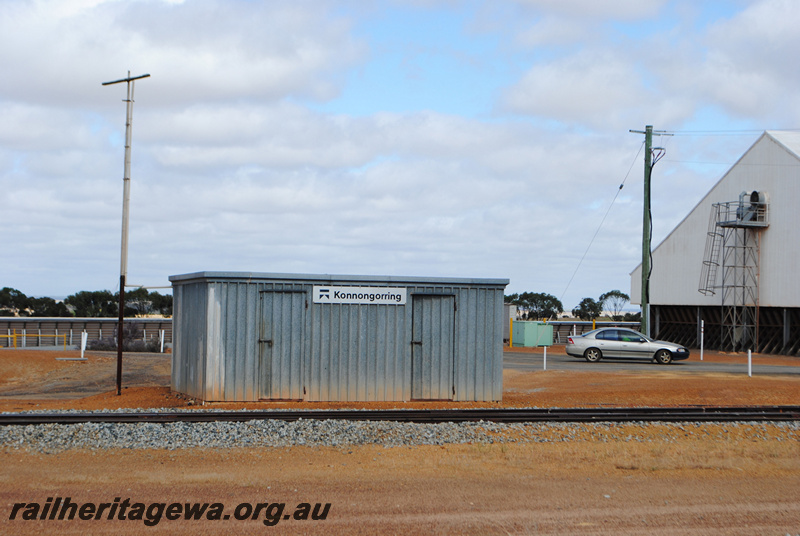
(651, 157)
(647, 223)
(126, 197)
(647, 226)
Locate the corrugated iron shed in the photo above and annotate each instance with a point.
(261, 336)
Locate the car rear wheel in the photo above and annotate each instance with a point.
(592, 355)
(664, 357)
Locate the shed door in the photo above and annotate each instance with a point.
(432, 346)
(280, 344)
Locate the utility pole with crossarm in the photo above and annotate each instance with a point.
(647, 221)
(126, 196)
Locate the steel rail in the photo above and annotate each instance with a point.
(506, 415)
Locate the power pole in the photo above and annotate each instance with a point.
(647, 228)
(647, 222)
(126, 197)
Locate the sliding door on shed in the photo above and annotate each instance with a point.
(432, 352)
(281, 344)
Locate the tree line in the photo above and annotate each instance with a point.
(85, 304)
(540, 305)
(139, 302)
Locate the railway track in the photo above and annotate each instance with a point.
(514, 415)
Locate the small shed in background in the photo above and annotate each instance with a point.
(260, 336)
(532, 334)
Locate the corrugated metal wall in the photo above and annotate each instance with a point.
(189, 304)
(261, 337)
(357, 353)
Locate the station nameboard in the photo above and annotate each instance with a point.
(360, 295)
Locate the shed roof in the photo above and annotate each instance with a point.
(789, 139)
(330, 278)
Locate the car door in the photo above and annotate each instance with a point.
(632, 344)
(608, 342)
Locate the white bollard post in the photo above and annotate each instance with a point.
(750, 363)
(545, 358)
(162, 340)
(84, 338)
(702, 334)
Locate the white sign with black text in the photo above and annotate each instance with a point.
(360, 295)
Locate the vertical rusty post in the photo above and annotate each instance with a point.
(119, 332)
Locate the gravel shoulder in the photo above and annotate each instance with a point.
(546, 479)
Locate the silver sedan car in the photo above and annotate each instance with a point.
(625, 344)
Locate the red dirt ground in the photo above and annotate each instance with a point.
(35, 379)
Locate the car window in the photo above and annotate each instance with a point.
(608, 335)
(629, 336)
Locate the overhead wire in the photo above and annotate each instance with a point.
(602, 221)
(668, 133)
(741, 132)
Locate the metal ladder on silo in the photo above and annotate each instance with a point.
(711, 258)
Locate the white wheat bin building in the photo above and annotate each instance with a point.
(732, 264)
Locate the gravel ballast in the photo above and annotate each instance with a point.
(52, 438)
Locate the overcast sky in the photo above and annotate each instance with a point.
(417, 137)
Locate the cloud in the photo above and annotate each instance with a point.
(585, 73)
(552, 31)
(240, 164)
(283, 135)
(278, 187)
(610, 9)
(748, 67)
(204, 50)
(597, 88)
(36, 128)
(420, 194)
